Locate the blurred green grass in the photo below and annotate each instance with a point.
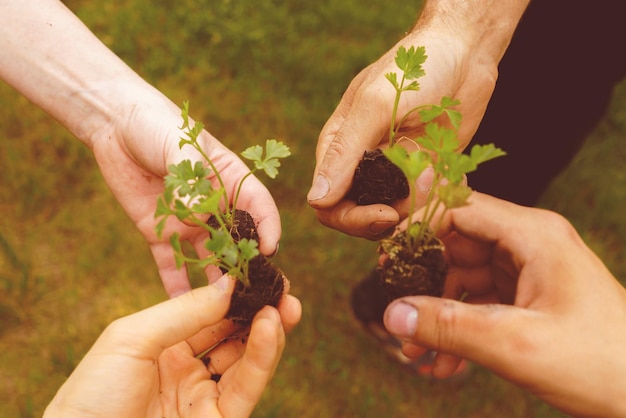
(71, 261)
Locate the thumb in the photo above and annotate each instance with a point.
(341, 145)
(480, 333)
(152, 330)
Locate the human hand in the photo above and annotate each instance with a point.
(539, 308)
(133, 155)
(145, 364)
(464, 43)
(131, 127)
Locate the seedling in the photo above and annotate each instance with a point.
(414, 262)
(375, 179)
(189, 194)
(439, 147)
(439, 150)
(410, 62)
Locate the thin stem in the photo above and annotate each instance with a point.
(440, 220)
(217, 174)
(427, 211)
(239, 187)
(396, 103)
(407, 114)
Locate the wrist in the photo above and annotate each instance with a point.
(485, 27)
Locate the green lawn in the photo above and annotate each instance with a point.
(70, 260)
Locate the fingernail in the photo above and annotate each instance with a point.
(222, 283)
(401, 319)
(381, 228)
(320, 188)
(425, 180)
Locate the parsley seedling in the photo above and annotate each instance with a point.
(439, 147)
(189, 193)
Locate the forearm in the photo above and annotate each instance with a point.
(54, 60)
(485, 25)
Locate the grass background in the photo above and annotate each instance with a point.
(71, 261)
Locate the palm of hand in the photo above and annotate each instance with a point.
(133, 160)
(185, 387)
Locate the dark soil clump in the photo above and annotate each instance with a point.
(267, 285)
(407, 272)
(267, 282)
(377, 180)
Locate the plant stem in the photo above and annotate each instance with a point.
(217, 175)
(239, 187)
(396, 103)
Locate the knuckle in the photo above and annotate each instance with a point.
(445, 323)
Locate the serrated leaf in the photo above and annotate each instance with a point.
(270, 163)
(455, 117)
(481, 153)
(414, 86)
(438, 139)
(253, 153)
(410, 61)
(431, 113)
(393, 78)
(454, 195)
(160, 226)
(209, 204)
(276, 149)
(454, 166)
(218, 241)
(178, 251)
(270, 167)
(248, 248)
(411, 164)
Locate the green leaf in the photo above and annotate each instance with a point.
(188, 180)
(414, 86)
(273, 151)
(276, 149)
(410, 61)
(181, 210)
(454, 195)
(393, 78)
(438, 139)
(454, 166)
(160, 226)
(248, 248)
(222, 244)
(253, 153)
(431, 113)
(209, 204)
(178, 250)
(412, 164)
(481, 153)
(185, 114)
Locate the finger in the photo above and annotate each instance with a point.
(257, 200)
(370, 222)
(480, 333)
(463, 282)
(147, 333)
(206, 341)
(290, 310)
(362, 129)
(228, 342)
(445, 365)
(242, 389)
(175, 280)
(228, 351)
(412, 350)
